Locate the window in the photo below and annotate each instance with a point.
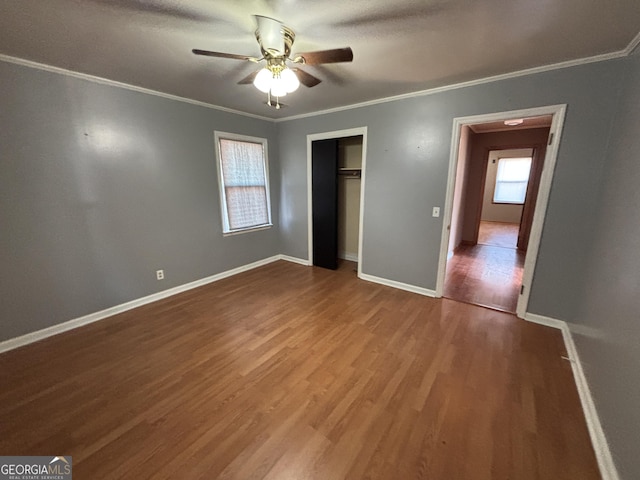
(244, 189)
(511, 180)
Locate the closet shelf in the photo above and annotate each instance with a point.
(350, 172)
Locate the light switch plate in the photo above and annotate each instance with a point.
(436, 212)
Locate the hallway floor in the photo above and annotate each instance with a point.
(489, 273)
(498, 234)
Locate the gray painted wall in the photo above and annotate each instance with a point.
(607, 331)
(100, 187)
(407, 161)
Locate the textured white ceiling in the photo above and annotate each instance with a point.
(399, 46)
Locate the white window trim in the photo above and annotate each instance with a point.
(226, 231)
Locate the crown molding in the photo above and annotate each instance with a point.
(455, 86)
(126, 86)
(628, 50)
(633, 44)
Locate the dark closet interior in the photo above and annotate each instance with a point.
(331, 164)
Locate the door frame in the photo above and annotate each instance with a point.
(350, 132)
(555, 132)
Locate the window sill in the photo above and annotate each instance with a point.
(231, 233)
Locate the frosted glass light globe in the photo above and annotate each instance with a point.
(290, 80)
(278, 87)
(263, 80)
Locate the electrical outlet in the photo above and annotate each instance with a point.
(436, 212)
(160, 274)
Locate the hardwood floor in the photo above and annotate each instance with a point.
(488, 274)
(498, 234)
(485, 275)
(293, 372)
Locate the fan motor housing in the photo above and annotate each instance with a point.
(288, 35)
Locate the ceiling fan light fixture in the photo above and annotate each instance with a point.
(263, 80)
(278, 87)
(276, 80)
(290, 80)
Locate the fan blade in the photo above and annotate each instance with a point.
(249, 78)
(224, 55)
(336, 55)
(305, 78)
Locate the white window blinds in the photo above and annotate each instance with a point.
(511, 180)
(244, 187)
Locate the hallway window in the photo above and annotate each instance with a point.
(244, 187)
(512, 180)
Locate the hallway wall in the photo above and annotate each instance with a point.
(481, 145)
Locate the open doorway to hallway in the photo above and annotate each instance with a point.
(497, 183)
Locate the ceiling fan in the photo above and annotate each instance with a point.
(277, 79)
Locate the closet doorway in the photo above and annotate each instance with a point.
(336, 162)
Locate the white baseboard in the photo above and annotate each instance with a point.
(370, 278)
(102, 314)
(608, 469)
(542, 320)
(300, 261)
(598, 439)
(400, 285)
(352, 257)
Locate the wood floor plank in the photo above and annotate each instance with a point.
(485, 275)
(293, 372)
(500, 234)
